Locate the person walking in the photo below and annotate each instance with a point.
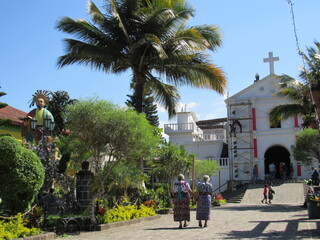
(310, 192)
(283, 170)
(181, 200)
(315, 176)
(204, 195)
(270, 192)
(291, 171)
(265, 194)
(272, 170)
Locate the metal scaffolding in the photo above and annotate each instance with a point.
(240, 140)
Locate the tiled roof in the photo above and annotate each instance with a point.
(12, 113)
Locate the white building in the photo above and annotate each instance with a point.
(254, 143)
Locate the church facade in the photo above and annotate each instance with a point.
(246, 133)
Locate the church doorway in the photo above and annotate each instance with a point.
(277, 154)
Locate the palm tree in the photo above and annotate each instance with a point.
(57, 105)
(2, 105)
(295, 91)
(306, 95)
(310, 73)
(149, 108)
(151, 39)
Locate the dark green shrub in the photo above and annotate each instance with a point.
(9, 147)
(21, 175)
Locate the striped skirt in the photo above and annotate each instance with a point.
(181, 209)
(203, 207)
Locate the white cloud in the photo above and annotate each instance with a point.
(188, 106)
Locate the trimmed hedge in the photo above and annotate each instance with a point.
(21, 175)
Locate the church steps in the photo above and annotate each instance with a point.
(238, 195)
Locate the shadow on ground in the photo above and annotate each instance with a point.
(263, 208)
(291, 231)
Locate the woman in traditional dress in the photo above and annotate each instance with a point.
(181, 199)
(204, 195)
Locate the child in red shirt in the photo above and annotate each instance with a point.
(265, 194)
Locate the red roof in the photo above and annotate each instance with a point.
(13, 114)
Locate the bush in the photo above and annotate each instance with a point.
(21, 175)
(123, 213)
(15, 228)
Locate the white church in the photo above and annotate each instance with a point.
(245, 137)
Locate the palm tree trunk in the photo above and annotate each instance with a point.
(138, 91)
(316, 100)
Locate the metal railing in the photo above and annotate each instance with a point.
(175, 127)
(209, 137)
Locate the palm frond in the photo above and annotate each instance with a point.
(167, 95)
(283, 112)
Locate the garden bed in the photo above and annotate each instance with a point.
(106, 226)
(44, 236)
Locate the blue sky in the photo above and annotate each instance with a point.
(30, 46)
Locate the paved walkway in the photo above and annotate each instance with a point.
(249, 220)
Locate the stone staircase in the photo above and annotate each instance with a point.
(237, 195)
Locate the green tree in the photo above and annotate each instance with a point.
(300, 104)
(21, 175)
(306, 148)
(57, 105)
(74, 153)
(2, 105)
(124, 182)
(148, 107)
(206, 167)
(151, 39)
(113, 135)
(304, 104)
(310, 73)
(171, 160)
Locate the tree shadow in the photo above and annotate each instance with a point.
(291, 231)
(173, 228)
(263, 208)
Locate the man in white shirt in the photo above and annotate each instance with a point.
(272, 170)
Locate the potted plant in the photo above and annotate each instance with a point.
(218, 200)
(313, 204)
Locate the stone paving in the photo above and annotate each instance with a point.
(283, 219)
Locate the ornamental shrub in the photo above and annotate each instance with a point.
(21, 175)
(15, 228)
(123, 213)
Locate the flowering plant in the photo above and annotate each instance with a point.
(150, 203)
(314, 198)
(47, 152)
(218, 200)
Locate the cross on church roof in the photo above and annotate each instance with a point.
(271, 61)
